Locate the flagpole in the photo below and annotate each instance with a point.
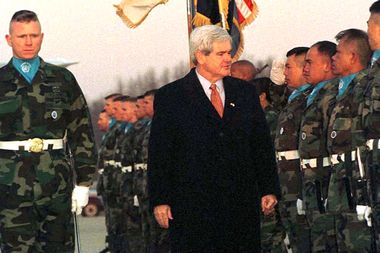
(222, 17)
(189, 26)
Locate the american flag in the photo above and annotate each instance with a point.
(237, 13)
(246, 11)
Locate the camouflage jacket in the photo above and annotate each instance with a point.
(289, 122)
(372, 102)
(109, 143)
(313, 130)
(49, 107)
(141, 140)
(102, 149)
(126, 146)
(345, 130)
(286, 139)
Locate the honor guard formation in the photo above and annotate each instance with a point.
(218, 161)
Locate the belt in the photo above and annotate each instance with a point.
(141, 166)
(125, 169)
(312, 163)
(110, 162)
(339, 158)
(35, 145)
(287, 155)
(371, 143)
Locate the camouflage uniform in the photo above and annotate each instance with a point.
(111, 182)
(130, 211)
(371, 115)
(346, 188)
(278, 93)
(155, 237)
(35, 209)
(316, 167)
(288, 162)
(271, 116)
(272, 231)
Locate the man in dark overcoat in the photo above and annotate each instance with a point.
(211, 160)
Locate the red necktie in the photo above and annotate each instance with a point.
(216, 101)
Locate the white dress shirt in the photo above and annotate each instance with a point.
(206, 87)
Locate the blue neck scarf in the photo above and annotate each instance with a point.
(344, 82)
(375, 57)
(27, 68)
(298, 92)
(112, 122)
(315, 91)
(128, 126)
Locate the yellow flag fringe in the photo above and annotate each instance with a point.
(252, 16)
(127, 21)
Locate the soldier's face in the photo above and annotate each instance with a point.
(140, 108)
(25, 38)
(128, 111)
(117, 111)
(343, 59)
(293, 71)
(217, 64)
(373, 30)
(103, 122)
(316, 66)
(108, 107)
(148, 101)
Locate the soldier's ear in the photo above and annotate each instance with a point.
(8, 38)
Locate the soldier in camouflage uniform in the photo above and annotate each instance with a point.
(103, 126)
(105, 154)
(125, 155)
(272, 231)
(120, 212)
(286, 146)
(371, 114)
(315, 161)
(271, 114)
(155, 237)
(111, 180)
(347, 193)
(42, 109)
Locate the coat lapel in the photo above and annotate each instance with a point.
(198, 99)
(230, 102)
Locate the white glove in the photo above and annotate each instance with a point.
(79, 198)
(364, 212)
(300, 209)
(277, 72)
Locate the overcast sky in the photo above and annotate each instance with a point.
(89, 31)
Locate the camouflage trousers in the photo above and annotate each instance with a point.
(156, 239)
(296, 227)
(122, 217)
(272, 233)
(35, 202)
(342, 232)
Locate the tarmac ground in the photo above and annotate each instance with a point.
(92, 232)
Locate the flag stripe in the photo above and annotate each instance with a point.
(243, 8)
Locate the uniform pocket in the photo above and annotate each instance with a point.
(10, 115)
(8, 169)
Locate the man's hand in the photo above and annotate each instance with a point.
(268, 202)
(163, 213)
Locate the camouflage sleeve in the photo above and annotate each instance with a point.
(374, 107)
(327, 103)
(80, 136)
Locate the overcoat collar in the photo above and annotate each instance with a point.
(199, 100)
